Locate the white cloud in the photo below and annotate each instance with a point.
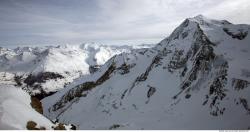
(80, 20)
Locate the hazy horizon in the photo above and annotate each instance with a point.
(102, 42)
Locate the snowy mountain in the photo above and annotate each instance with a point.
(197, 78)
(44, 70)
(28, 74)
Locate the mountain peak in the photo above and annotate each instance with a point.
(203, 20)
(200, 18)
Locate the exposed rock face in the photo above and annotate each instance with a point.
(239, 84)
(201, 54)
(79, 90)
(240, 35)
(114, 126)
(143, 76)
(41, 78)
(151, 91)
(33, 83)
(217, 91)
(31, 125)
(176, 61)
(245, 105)
(94, 68)
(18, 80)
(60, 126)
(125, 68)
(37, 105)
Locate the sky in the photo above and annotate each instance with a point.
(43, 22)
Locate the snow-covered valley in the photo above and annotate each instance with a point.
(197, 78)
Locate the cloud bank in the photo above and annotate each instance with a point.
(78, 21)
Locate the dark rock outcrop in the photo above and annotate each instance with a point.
(31, 125)
(239, 84)
(36, 104)
(93, 68)
(240, 35)
(41, 78)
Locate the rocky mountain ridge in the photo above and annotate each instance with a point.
(199, 71)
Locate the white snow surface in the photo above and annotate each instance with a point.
(16, 111)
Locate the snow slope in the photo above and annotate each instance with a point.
(50, 68)
(197, 78)
(15, 109)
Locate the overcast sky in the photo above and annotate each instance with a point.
(78, 21)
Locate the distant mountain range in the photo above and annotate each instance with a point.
(47, 69)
